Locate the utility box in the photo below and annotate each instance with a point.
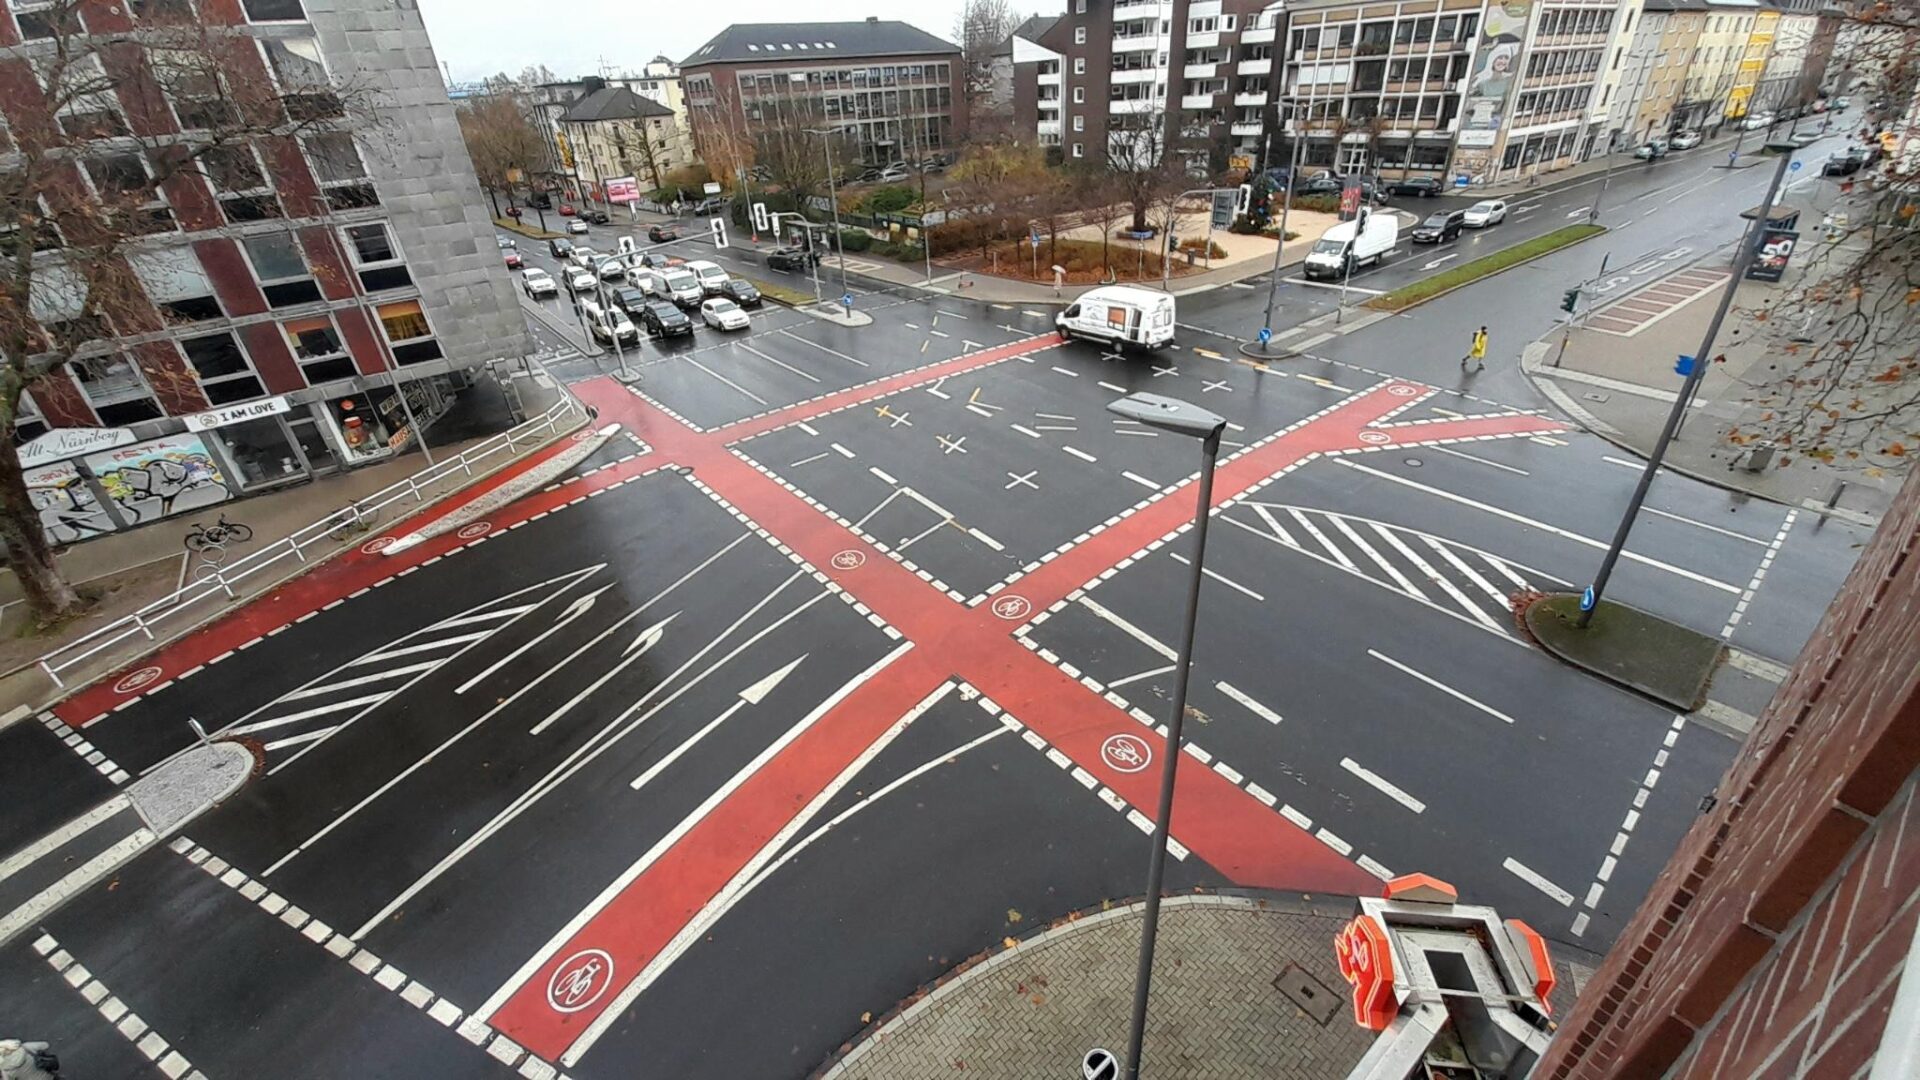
(1759, 458)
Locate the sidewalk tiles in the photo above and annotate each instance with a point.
(1642, 309)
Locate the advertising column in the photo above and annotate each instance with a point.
(1490, 79)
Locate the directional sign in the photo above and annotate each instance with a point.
(1795, 166)
(846, 301)
(1586, 599)
(1266, 334)
(1683, 366)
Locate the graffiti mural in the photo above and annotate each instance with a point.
(163, 476)
(68, 510)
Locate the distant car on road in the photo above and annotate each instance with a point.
(795, 259)
(538, 283)
(661, 319)
(660, 234)
(560, 247)
(1647, 151)
(1440, 227)
(567, 210)
(723, 315)
(1757, 121)
(577, 227)
(1842, 165)
(506, 242)
(628, 299)
(1424, 186)
(598, 217)
(1686, 140)
(513, 260)
(1484, 213)
(710, 274)
(741, 291)
(582, 282)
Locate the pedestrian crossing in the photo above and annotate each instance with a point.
(1451, 576)
(306, 716)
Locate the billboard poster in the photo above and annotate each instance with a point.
(1350, 196)
(163, 476)
(1496, 64)
(67, 508)
(623, 190)
(1776, 247)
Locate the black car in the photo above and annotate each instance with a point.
(628, 299)
(740, 291)
(597, 217)
(661, 319)
(1323, 184)
(1440, 227)
(560, 247)
(540, 200)
(797, 259)
(1842, 165)
(1424, 186)
(660, 234)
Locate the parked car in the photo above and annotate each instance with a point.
(540, 200)
(1845, 164)
(1484, 213)
(1842, 102)
(1685, 140)
(1440, 227)
(1756, 121)
(513, 260)
(662, 233)
(723, 314)
(1323, 184)
(611, 270)
(582, 283)
(709, 206)
(597, 216)
(711, 276)
(538, 283)
(1424, 186)
(794, 259)
(628, 298)
(662, 319)
(567, 210)
(896, 171)
(1648, 151)
(577, 227)
(560, 247)
(740, 291)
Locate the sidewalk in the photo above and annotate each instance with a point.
(1622, 159)
(133, 569)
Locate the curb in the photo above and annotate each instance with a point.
(1604, 230)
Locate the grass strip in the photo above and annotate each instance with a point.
(524, 230)
(779, 294)
(1448, 280)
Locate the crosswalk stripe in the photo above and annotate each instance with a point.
(290, 718)
(1338, 555)
(1367, 549)
(1435, 576)
(391, 673)
(425, 646)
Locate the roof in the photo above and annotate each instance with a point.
(612, 103)
(874, 37)
(1032, 30)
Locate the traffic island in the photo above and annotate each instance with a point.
(1437, 285)
(1662, 659)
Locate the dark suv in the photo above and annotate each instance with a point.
(598, 217)
(628, 299)
(661, 319)
(1440, 227)
(662, 233)
(797, 259)
(560, 247)
(740, 291)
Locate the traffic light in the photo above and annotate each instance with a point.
(719, 228)
(1570, 301)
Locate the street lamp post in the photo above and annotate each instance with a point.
(1286, 209)
(833, 198)
(1180, 418)
(1743, 258)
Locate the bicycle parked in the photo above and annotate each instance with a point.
(203, 538)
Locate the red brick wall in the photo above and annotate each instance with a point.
(1772, 943)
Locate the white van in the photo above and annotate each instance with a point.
(712, 277)
(1120, 314)
(1376, 235)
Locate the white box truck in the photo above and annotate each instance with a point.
(1120, 315)
(1364, 242)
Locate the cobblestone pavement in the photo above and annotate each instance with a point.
(1032, 1011)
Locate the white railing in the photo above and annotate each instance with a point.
(218, 580)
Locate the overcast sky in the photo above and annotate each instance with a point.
(477, 38)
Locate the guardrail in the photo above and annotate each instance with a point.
(354, 517)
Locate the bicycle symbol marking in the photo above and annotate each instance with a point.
(478, 528)
(849, 560)
(1012, 608)
(580, 980)
(1402, 390)
(134, 680)
(376, 545)
(1126, 753)
(1375, 437)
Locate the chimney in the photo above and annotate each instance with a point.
(873, 18)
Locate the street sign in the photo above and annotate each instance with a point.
(846, 301)
(1683, 366)
(1100, 1064)
(1223, 208)
(1794, 166)
(1266, 334)
(1586, 599)
(719, 227)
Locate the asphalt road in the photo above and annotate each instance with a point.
(842, 663)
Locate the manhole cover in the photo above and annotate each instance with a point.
(1309, 993)
(1413, 461)
(1595, 396)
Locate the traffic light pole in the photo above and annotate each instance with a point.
(1571, 305)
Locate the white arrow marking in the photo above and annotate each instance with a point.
(965, 344)
(573, 611)
(648, 639)
(1440, 260)
(752, 695)
(1526, 209)
(1577, 213)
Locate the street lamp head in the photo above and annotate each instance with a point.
(1169, 414)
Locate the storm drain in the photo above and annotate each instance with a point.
(1309, 993)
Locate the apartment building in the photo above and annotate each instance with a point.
(1656, 62)
(897, 88)
(1561, 47)
(1123, 81)
(1607, 109)
(291, 287)
(612, 132)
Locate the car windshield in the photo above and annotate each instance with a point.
(1484, 207)
(1436, 220)
(722, 307)
(681, 280)
(1329, 247)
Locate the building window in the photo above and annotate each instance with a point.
(28, 422)
(407, 330)
(116, 390)
(375, 257)
(240, 183)
(1079, 7)
(342, 174)
(1079, 123)
(274, 10)
(225, 374)
(317, 346)
(1079, 35)
(176, 284)
(38, 21)
(281, 269)
(1079, 95)
(1079, 65)
(1077, 151)
(301, 75)
(126, 191)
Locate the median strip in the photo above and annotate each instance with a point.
(1466, 273)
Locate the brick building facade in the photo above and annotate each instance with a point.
(293, 271)
(1774, 944)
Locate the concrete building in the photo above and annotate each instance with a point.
(613, 132)
(1562, 52)
(292, 282)
(898, 88)
(1608, 110)
(1657, 66)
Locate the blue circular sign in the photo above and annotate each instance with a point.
(1266, 335)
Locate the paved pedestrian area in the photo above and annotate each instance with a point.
(1033, 1010)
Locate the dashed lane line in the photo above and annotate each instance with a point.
(1612, 859)
(1527, 874)
(154, 1046)
(1382, 785)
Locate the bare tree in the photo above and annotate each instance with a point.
(80, 190)
(785, 143)
(1102, 203)
(981, 27)
(501, 140)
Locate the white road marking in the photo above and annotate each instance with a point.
(977, 409)
(842, 451)
(308, 714)
(808, 460)
(1755, 665)
(824, 349)
(1383, 786)
(949, 444)
(1141, 480)
(1520, 870)
(1314, 531)
(752, 695)
(33, 852)
(1147, 674)
(1026, 481)
(1703, 525)
(1470, 457)
(1437, 578)
(885, 477)
(1129, 629)
(1440, 686)
(378, 676)
(1054, 416)
(1221, 578)
(729, 382)
(1554, 529)
(1081, 454)
(1248, 703)
(806, 427)
(1115, 389)
(1466, 571)
(779, 362)
(1406, 584)
(1028, 432)
(1069, 374)
(573, 611)
(985, 539)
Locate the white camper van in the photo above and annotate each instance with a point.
(1365, 242)
(1120, 314)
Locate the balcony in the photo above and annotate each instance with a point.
(1254, 67)
(1128, 106)
(1196, 101)
(1203, 41)
(1244, 128)
(1051, 79)
(1046, 127)
(1253, 100)
(1262, 36)
(1140, 9)
(1202, 71)
(1133, 75)
(1138, 43)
